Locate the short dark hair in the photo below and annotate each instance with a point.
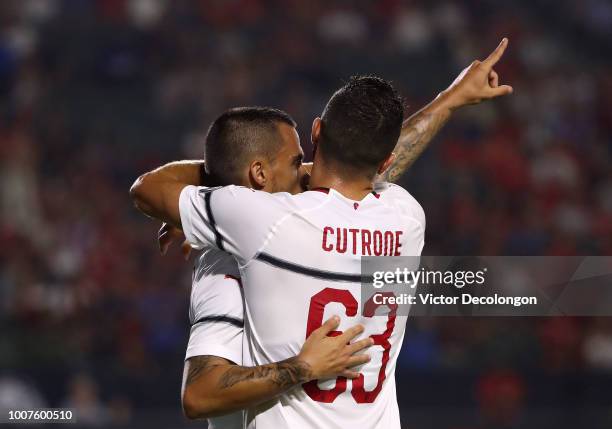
(238, 135)
(361, 123)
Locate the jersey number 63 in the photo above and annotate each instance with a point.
(315, 320)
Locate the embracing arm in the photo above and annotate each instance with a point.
(214, 386)
(157, 192)
(474, 84)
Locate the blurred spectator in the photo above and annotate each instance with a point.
(84, 400)
(501, 397)
(18, 394)
(597, 346)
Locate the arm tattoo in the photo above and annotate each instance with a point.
(284, 374)
(199, 365)
(417, 132)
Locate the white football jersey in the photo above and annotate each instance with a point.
(216, 315)
(299, 257)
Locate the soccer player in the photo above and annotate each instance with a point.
(299, 255)
(244, 147)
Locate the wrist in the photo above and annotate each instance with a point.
(303, 369)
(448, 100)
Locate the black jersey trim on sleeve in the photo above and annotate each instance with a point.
(239, 323)
(211, 219)
(312, 272)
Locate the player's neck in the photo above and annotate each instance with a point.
(353, 188)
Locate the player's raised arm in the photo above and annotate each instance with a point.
(157, 192)
(476, 83)
(230, 218)
(214, 386)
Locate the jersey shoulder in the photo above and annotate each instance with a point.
(298, 202)
(270, 203)
(283, 201)
(399, 198)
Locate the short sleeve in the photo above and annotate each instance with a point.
(231, 218)
(217, 317)
(216, 338)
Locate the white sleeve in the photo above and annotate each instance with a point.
(231, 218)
(217, 318)
(216, 338)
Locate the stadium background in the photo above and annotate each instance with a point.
(93, 93)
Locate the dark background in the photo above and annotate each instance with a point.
(94, 93)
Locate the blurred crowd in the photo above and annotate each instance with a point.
(95, 92)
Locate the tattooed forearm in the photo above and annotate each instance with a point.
(199, 365)
(214, 386)
(284, 374)
(417, 132)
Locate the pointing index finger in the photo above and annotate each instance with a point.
(494, 57)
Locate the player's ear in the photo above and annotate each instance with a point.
(386, 163)
(257, 175)
(315, 133)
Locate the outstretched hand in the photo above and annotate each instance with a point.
(479, 81)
